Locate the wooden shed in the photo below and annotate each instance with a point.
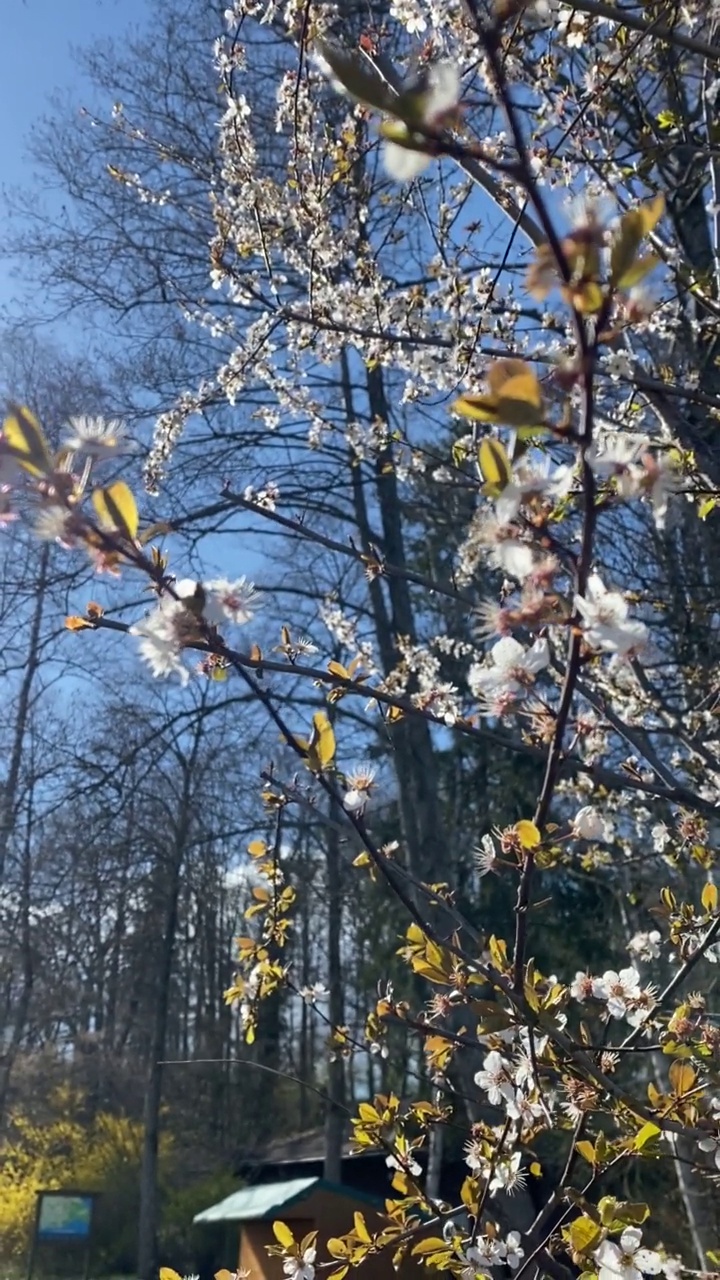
(305, 1204)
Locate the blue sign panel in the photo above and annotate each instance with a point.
(64, 1216)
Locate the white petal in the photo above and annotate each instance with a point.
(403, 164)
(538, 657)
(648, 1261)
(443, 92)
(507, 653)
(631, 1236)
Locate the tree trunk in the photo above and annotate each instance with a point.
(8, 792)
(149, 1202)
(335, 1113)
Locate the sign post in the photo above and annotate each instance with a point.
(63, 1217)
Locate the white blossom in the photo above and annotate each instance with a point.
(660, 837)
(513, 1253)
(619, 990)
(605, 620)
(589, 824)
(512, 670)
(302, 1268)
(405, 1165)
(711, 1144)
(485, 1252)
(495, 1079)
(315, 992)
(529, 482)
(434, 100)
(646, 946)
(98, 437)
(508, 1175)
(238, 600)
(159, 645)
(626, 1260)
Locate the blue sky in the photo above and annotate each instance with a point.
(36, 58)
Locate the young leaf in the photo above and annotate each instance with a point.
(321, 748)
(646, 1134)
(586, 1150)
(116, 509)
(682, 1078)
(283, 1235)
(479, 408)
(710, 897)
(634, 226)
(640, 268)
(583, 1234)
(514, 397)
(361, 1230)
(431, 1245)
(494, 464)
(629, 1213)
(26, 442)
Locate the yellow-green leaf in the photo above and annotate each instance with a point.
(431, 1245)
(514, 397)
(283, 1235)
(26, 441)
(498, 952)
(630, 1213)
(527, 833)
(361, 1230)
(494, 464)
(640, 268)
(633, 227)
(167, 1273)
(587, 297)
(646, 1134)
(710, 897)
(520, 402)
(651, 212)
(337, 1247)
(479, 408)
(321, 748)
(682, 1077)
(586, 1150)
(584, 1234)
(469, 1193)
(116, 509)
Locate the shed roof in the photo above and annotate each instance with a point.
(266, 1199)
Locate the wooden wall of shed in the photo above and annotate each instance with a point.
(254, 1236)
(332, 1216)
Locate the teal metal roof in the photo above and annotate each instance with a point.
(259, 1202)
(265, 1201)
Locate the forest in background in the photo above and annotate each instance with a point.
(127, 804)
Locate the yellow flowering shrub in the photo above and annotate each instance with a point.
(66, 1151)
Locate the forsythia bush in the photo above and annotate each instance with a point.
(66, 1151)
